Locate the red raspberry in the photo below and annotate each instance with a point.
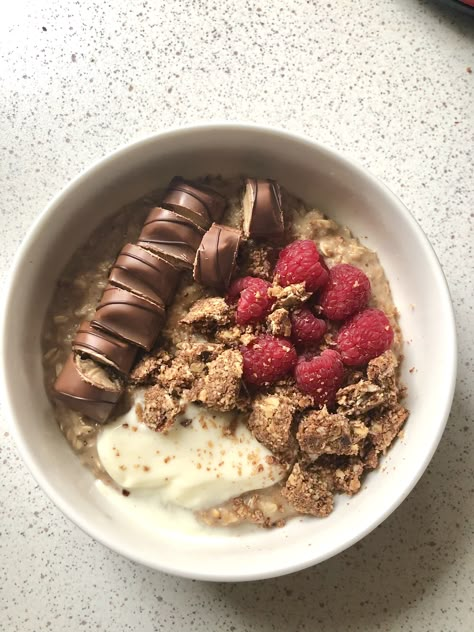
(254, 303)
(267, 359)
(299, 262)
(346, 292)
(305, 327)
(236, 287)
(320, 376)
(364, 337)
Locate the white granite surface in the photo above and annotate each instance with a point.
(389, 83)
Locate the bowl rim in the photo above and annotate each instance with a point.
(28, 456)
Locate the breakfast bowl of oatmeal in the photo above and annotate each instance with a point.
(220, 356)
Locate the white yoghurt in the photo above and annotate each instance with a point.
(195, 465)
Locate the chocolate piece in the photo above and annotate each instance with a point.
(104, 348)
(215, 258)
(263, 216)
(130, 317)
(197, 202)
(78, 389)
(145, 274)
(173, 237)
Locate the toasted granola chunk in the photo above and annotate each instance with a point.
(270, 422)
(237, 335)
(148, 368)
(289, 296)
(321, 432)
(382, 371)
(309, 491)
(386, 425)
(229, 335)
(272, 416)
(357, 399)
(220, 388)
(177, 376)
(161, 409)
(252, 507)
(369, 456)
(279, 323)
(207, 314)
(187, 366)
(199, 352)
(346, 477)
(259, 510)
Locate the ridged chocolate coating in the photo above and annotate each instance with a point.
(263, 215)
(104, 348)
(145, 273)
(77, 393)
(129, 317)
(171, 236)
(216, 256)
(205, 204)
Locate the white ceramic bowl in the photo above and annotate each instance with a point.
(322, 177)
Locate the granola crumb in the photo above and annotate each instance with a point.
(369, 457)
(279, 323)
(270, 422)
(207, 314)
(220, 388)
(347, 476)
(289, 296)
(160, 409)
(309, 492)
(382, 371)
(357, 399)
(386, 425)
(272, 416)
(321, 432)
(148, 367)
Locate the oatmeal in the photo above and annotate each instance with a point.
(238, 359)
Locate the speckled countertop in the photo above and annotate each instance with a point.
(390, 84)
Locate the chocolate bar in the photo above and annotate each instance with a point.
(196, 202)
(145, 274)
(263, 215)
(89, 391)
(172, 236)
(129, 317)
(216, 256)
(104, 348)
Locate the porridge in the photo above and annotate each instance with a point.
(223, 349)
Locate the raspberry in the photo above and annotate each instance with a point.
(346, 292)
(320, 376)
(299, 262)
(236, 287)
(305, 327)
(267, 359)
(364, 337)
(254, 303)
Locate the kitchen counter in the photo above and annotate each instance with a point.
(390, 84)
